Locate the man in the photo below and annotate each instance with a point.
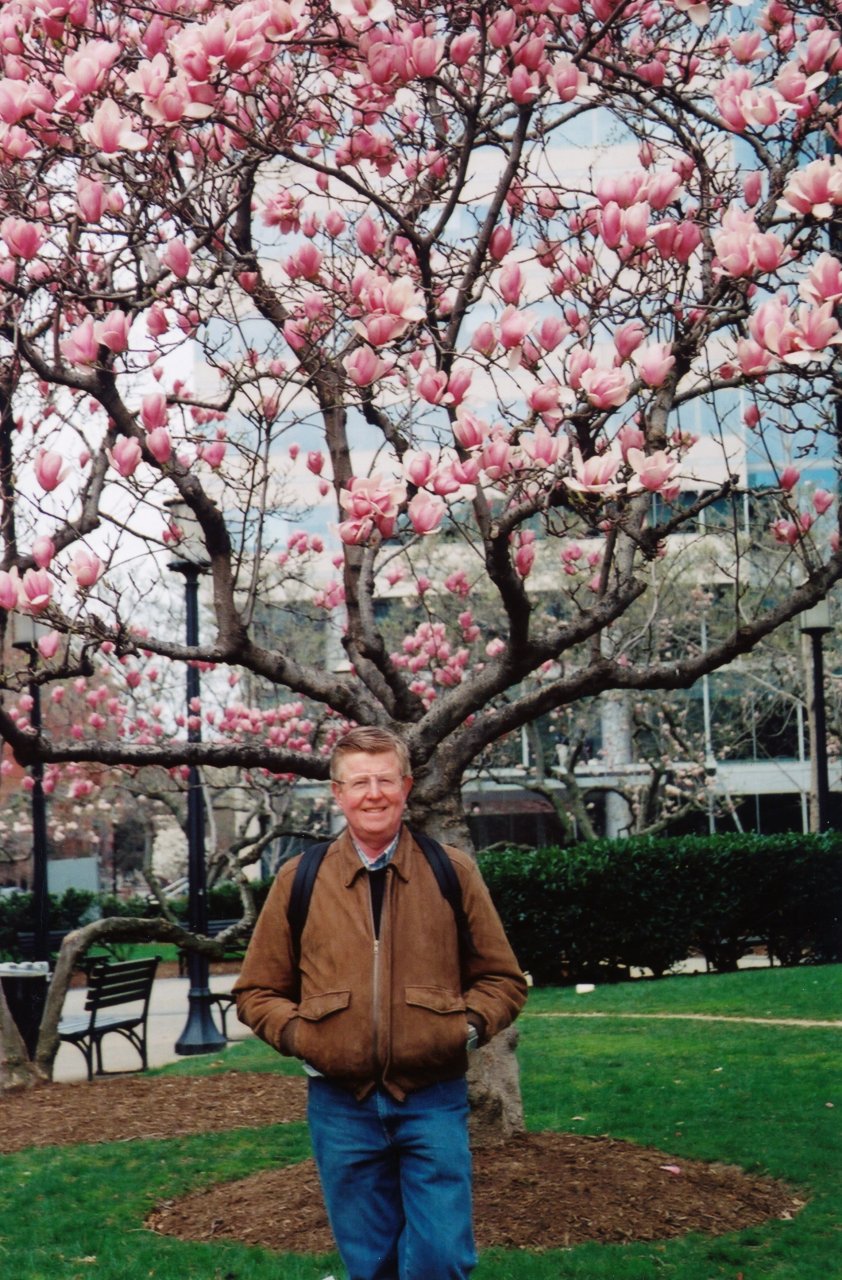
(382, 1008)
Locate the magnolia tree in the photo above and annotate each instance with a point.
(479, 275)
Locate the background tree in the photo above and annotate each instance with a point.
(483, 275)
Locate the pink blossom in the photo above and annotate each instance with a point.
(502, 239)
(462, 49)
(816, 190)
(23, 239)
(678, 240)
(425, 55)
(315, 462)
(36, 590)
(628, 338)
(816, 328)
(432, 387)
(510, 282)
(43, 550)
(611, 224)
(213, 453)
(113, 331)
(543, 448)
(159, 444)
(524, 559)
(9, 589)
(156, 321)
(364, 366)
(305, 263)
(785, 531)
(48, 645)
(361, 14)
(654, 362)
(495, 647)
(789, 478)
(514, 326)
(90, 198)
(579, 361)
(457, 583)
(459, 383)
(606, 388)
(567, 80)
(373, 500)
(417, 467)
(81, 345)
(595, 475)
(497, 458)
(153, 410)
(484, 339)
(425, 512)
(824, 281)
(752, 358)
(651, 471)
(177, 258)
(125, 455)
(470, 431)
(370, 236)
(87, 67)
(49, 469)
(630, 437)
(822, 501)
(109, 131)
(86, 568)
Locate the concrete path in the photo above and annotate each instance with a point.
(167, 1018)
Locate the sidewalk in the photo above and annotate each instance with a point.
(167, 1018)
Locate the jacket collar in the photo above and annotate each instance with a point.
(353, 867)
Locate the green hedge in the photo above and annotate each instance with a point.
(592, 911)
(75, 907)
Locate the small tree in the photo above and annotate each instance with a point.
(385, 250)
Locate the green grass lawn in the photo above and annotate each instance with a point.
(765, 1097)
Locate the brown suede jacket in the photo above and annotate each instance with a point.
(393, 1010)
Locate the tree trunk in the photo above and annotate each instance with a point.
(494, 1076)
(17, 1071)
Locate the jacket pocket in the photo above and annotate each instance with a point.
(314, 1008)
(325, 1036)
(435, 1028)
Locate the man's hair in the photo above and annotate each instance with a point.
(373, 740)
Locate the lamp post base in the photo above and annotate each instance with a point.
(200, 1034)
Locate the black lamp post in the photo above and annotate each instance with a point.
(815, 623)
(25, 633)
(200, 1034)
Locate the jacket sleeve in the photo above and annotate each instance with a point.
(267, 987)
(494, 987)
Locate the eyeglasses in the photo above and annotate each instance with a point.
(389, 784)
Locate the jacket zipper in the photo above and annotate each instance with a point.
(377, 983)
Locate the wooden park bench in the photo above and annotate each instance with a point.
(117, 1000)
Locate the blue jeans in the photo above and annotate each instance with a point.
(396, 1178)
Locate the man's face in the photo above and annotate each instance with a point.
(371, 794)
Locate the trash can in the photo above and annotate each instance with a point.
(25, 988)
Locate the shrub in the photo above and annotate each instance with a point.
(592, 911)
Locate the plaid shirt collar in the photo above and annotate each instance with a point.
(383, 859)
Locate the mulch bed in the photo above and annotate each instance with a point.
(541, 1191)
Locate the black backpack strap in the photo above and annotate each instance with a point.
(302, 891)
(448, 882)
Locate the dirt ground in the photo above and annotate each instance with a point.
(544, 1191)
